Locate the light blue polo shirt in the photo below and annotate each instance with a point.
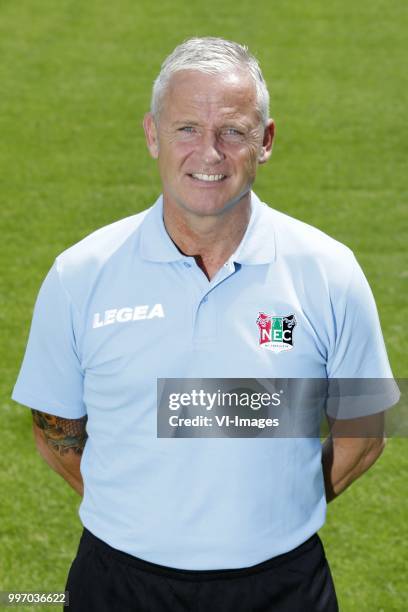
(124, 307)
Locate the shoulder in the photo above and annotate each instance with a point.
(308, 249)
(103, 243)
(309, 255)
(79, 267)
(295, 236)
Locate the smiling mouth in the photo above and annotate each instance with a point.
(208, 178)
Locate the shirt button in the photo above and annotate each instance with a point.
(187, 264)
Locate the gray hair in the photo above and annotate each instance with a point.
(212, 56)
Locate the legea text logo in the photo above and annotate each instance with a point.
(276, 333)
(123, 315)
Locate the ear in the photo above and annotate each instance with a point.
(151, 134)
(266, 149)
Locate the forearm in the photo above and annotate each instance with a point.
(345, 459)
(61, 442)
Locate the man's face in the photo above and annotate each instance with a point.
(209, 140)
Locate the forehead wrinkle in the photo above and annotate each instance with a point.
(205, 103)
(214, 115)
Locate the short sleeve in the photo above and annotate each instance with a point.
(362, 381)
(51, 377)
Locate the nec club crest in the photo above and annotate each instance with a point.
(276, 333)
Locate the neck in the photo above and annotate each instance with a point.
(210, 239)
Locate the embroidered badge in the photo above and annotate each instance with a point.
(276, 333)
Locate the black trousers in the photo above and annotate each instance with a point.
(103, 579)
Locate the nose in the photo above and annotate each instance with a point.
(211, 153)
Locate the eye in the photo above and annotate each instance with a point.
(188, 129)
(232, 133)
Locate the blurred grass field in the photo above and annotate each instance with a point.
(75, 81)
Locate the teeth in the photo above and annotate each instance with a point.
(208, 177)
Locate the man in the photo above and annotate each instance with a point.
(183, 290)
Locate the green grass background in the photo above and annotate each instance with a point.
(75, 79)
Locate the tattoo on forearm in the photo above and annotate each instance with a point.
(62, 435)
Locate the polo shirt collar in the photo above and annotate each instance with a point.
(156, 245)
(258, 244)
(256, 247)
